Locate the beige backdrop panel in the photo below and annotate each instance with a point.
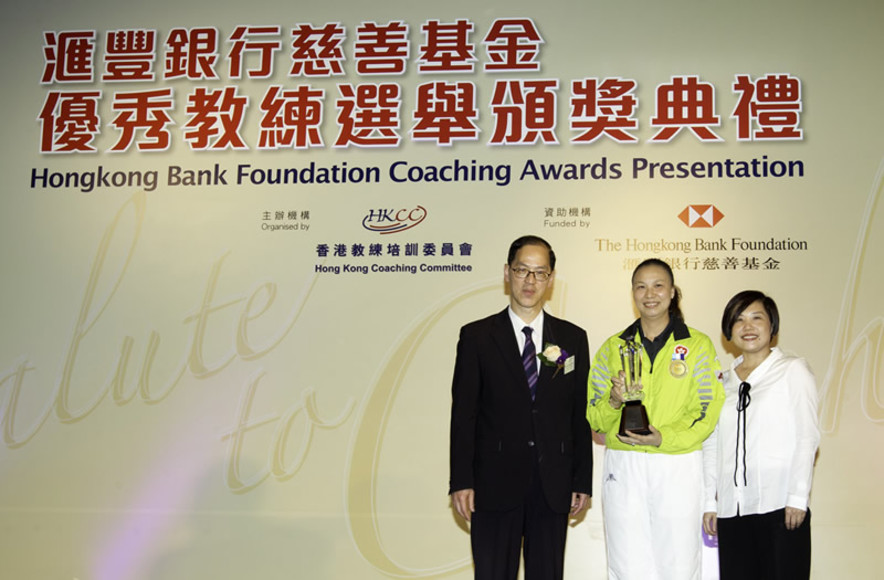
(187, 395)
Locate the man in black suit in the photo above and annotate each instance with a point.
(521, 457)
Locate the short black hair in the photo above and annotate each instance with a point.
(531, 241)
(740, 302)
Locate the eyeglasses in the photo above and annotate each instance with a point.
(522, 273)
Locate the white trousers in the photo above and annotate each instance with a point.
(652, 504)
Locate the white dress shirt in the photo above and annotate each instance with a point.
(770, 465)
(536, 334)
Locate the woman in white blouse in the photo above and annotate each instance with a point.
(758, 463)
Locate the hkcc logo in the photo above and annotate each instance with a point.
(390, 221)
(700, 216)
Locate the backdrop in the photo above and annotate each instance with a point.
(238, 242)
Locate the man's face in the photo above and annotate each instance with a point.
(528, 292)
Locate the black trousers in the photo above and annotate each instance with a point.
(497, 539)
(759, 547)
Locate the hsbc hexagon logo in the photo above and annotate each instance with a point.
(391, 221)
(701, 216)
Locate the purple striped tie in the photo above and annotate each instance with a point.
(529, 361)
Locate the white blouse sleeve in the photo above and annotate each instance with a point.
(805, 399)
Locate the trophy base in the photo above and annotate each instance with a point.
(634, 417)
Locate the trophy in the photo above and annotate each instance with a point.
(633, 414)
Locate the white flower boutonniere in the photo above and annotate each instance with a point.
(555, 356)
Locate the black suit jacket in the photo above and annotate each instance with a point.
(497, 432)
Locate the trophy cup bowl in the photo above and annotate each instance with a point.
(633, 414)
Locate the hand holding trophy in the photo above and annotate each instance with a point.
(633, 414)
